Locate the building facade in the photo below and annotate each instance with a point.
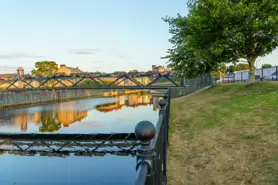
(158, 69)
(68, 70)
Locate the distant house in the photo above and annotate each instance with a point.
(68, 70)
(9, 76)
(12, 76)
(158, 69)
(20, 71)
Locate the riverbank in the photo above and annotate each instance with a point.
(227, 134)
(30, 98)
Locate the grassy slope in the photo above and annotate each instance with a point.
(227, 134)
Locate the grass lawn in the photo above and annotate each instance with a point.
(227, 134)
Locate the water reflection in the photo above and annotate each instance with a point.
(94, 115)
(73, 170)
(54, 117)
(129, 101)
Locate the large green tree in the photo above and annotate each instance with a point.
(231, 69)
(222, 31)
(198, 48)
(45, 68)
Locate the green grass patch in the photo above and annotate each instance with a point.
(228, 134)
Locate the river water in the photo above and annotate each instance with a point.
(117, 114)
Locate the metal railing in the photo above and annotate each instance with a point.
(152, 154)
(263, 74)
(62, 145)
(160, 81)
(149, 143)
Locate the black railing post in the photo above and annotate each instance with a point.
(276, 72)
(166, 97)
(262, 78)
(164, 137)
(182, 83)
(145, 132)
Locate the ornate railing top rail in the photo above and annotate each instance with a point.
(72, 137)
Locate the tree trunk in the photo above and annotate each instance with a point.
(212, 79)
(252, 70)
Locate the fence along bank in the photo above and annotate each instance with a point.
(264, 74)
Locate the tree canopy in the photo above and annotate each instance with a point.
(45, 68)
(222, 31)
(231, 69)
(266, 66)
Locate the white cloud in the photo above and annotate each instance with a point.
(84, 51)
(18, 55)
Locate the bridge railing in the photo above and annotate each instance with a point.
(63, 145)
(92, 82)
(152, 154)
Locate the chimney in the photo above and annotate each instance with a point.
(63, 66)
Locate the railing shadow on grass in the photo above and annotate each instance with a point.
(152, 154)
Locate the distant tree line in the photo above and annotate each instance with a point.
(50, 68)
(266, 66)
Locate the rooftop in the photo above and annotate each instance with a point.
(75, 70)
(8, 75)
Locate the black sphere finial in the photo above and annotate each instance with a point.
(145, 131)
(166, 96)
(162, 103)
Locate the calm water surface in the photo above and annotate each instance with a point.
(117, 114)
(96, 115)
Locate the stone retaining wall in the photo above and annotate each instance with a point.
(34, 97)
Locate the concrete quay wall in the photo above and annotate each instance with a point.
(8, 99)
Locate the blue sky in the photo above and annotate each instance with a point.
(104, 35)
